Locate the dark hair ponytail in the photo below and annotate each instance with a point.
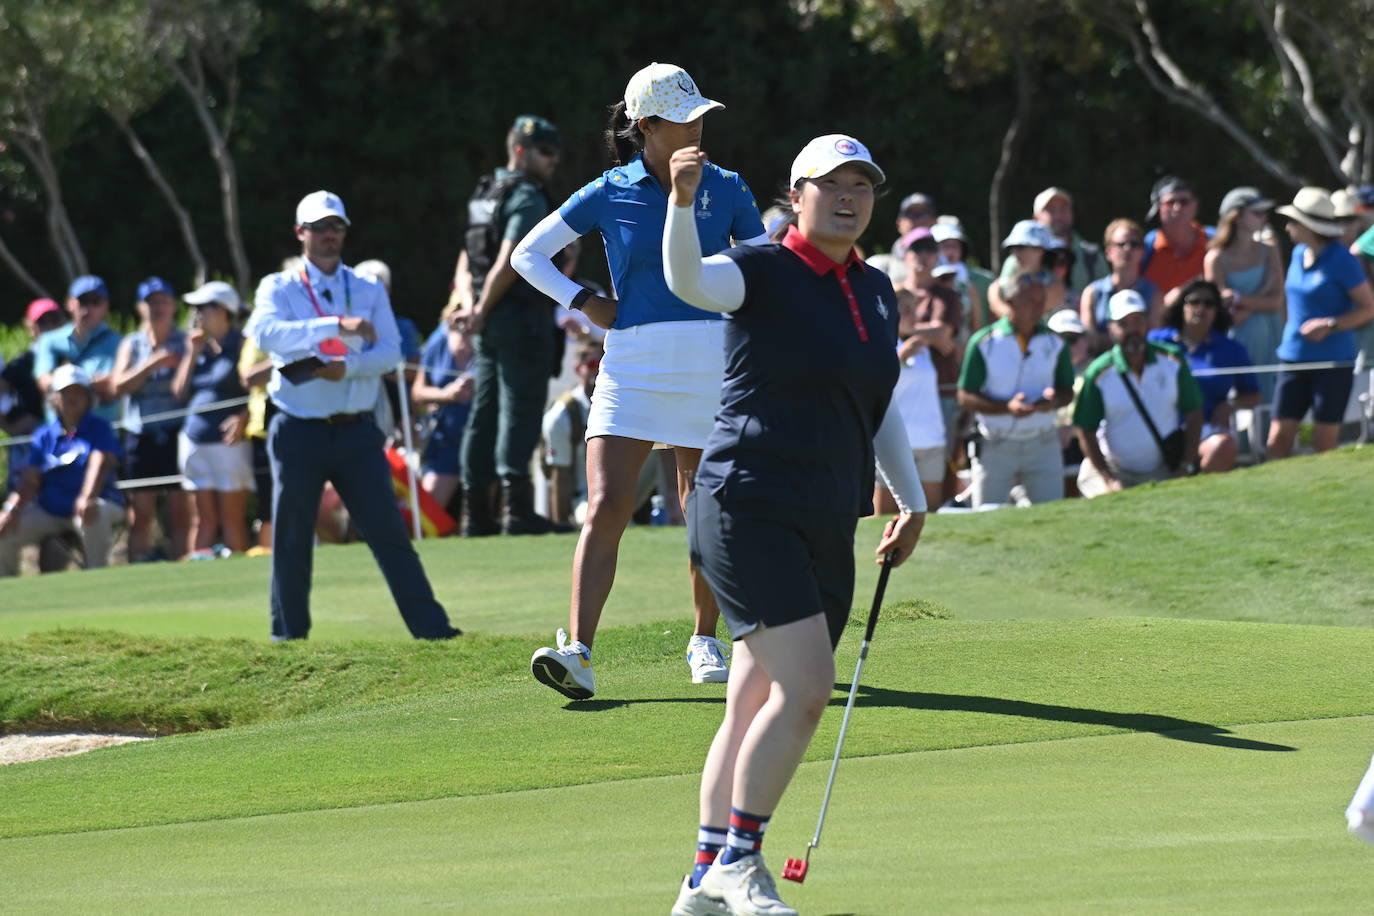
(623, 137)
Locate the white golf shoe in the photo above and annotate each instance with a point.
(746, 887)
(706, 658)
(693, 901)
(567, 669)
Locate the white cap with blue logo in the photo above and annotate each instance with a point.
(318, 205)
(824, 155)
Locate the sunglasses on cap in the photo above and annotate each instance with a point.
(326, 225)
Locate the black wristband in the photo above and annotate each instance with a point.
(580, 299)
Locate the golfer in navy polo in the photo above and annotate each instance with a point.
(810, 364)
(331, 335)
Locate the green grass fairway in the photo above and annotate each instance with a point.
(1281, 542)
(1157, 702)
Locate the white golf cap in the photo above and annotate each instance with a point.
(67, 375)
(320, 205)
(1042, 200)
(943, 232)
(1066, 321)
(377, 270)
(216, 291)
(1123, 303)
(824, 155)
(665, 91)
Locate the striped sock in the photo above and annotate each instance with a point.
(745, 837)
(709, 842)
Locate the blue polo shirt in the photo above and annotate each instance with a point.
(96, 354)
(1323, 291)
(214, 377)
(805, 388)
(629, 206)
(62, 460)
(1217, 352)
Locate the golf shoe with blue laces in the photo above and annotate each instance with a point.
(706, 658)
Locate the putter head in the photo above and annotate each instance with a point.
(795, 870)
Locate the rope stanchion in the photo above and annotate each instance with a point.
(403, 396)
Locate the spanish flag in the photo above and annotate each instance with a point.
(434, 521)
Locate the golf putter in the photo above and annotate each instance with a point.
(795, 869)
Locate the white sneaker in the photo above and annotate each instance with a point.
(693, 901)
(567, 669)
(746, 887)
(706, 658)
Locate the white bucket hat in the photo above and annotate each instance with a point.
(1313, 208)
(1125, 302)
(319, 205)
(824, 155)
(216, 291)
(665, 91)
(1029, 233)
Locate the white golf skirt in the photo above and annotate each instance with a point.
(660, 383)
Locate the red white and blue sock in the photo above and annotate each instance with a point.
(745, 837)
(709, 843)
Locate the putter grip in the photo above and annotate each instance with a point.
(878, 596)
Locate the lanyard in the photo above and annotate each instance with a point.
(841, 272)
(310, 291)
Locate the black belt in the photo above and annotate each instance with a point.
(338, 419)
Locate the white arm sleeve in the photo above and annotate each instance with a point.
(533, 258)
(896, 463)
(715, 283)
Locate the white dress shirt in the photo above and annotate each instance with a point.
(286, 326)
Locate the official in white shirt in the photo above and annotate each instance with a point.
(341, 325)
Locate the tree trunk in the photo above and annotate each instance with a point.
(60, 231)
(183, 218)
(228, 179)
(1012, 141)
(18, 270)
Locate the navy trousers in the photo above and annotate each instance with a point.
(305, 454)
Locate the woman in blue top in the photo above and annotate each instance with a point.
(446, 380)
(1197, 324)
(216, 460)
(661, 373)
(1328, 297)
(811, 361)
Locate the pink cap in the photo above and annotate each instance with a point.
(40, 307)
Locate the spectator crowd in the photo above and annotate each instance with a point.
(1169, 347)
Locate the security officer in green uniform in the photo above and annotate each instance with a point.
(514, 329)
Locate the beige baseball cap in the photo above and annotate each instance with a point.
(667, 92)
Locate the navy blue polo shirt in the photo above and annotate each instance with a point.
(810, 363)
(629, 207)
(1217, 352)
(62, 460)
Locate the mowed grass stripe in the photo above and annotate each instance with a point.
(1279, 543)
(928, 684)
(1126, 823)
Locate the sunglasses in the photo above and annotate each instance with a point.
(1206, 301)
(326, 225)
(90, 302)
(1130, 245)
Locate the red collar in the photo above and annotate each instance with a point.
(816, 259)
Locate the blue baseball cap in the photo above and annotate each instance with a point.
(87, 284)
(154, 285)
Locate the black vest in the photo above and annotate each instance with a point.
(483, 238)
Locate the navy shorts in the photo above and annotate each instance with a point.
(770, 564)
(152, 453)
(1325, 391)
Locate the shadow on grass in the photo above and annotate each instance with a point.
(1164, 726)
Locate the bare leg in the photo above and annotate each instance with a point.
(1217, 453)
(441, 486)
(797, 661)
(613, 464)
(206, 523)
(704, 606)
(745, 696)
(233, 514)
(179, 519)
(1282, 434)
(1325, 436)
(142, 509)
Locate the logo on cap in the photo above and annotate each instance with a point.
(684, 82)
(527, 126)
(846, 147)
